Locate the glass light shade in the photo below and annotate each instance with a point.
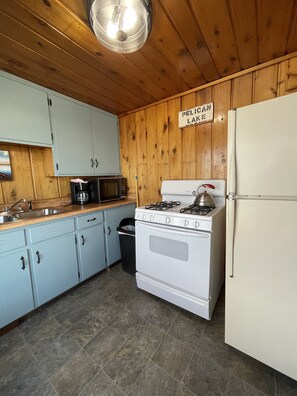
(121, 25)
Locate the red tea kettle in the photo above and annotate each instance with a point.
(204, 199)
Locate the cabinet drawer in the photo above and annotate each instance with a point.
(89, 220)
(51, 230)
(12, 240)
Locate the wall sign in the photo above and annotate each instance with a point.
(5, 168)
(196, 115)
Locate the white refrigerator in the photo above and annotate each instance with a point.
(261, 250)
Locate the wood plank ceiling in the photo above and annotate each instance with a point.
(192, 42)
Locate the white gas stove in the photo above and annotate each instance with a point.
(179, 249)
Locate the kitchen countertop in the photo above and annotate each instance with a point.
(68, 211)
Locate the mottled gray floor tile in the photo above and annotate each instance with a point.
(47, 332)
(125, 294)
(211, 345)
(67, 311)
(14, 358)
(119, 274)
(24, 381)
(285, 386)
(204, 377)
(163, 315)
(109, 286)
(53, 354)
(187, 328)
(107, 310)
(103, 345)
(92, 300)
(10, 340)
(238, 387)
(45, 389)
(33, 321)
(148, 337)
(125, 323)
(87, 287)
(102, 385)
(78, 371)
(173, 356)
(252, 371)
(126, 365)
(153, 381)
(142, 305)
(86, 329)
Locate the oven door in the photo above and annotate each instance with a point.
(174, 256)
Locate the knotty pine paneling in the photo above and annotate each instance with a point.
(33, 175)
(164, 151)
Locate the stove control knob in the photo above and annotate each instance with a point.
(151, 217)
(196, 224)
(168, 220)
(186, 223)
(144, 216)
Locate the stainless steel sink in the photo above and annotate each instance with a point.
(39, 213)
(7, 218)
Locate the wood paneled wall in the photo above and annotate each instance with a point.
(33, 175)
(153, 148)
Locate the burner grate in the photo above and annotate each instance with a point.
(195, 209)
(163, 205)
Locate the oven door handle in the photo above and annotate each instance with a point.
(173, 230)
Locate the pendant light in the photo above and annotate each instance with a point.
(121, 25)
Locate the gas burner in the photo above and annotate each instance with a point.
(196, 210)
(163, 205)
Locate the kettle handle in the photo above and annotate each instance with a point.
(208, 186)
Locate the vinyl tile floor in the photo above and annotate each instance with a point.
(106, 337)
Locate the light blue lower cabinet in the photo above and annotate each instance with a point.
(40, 262)
(113, 216)
(91, 251)
(54, 267)
(16, 297)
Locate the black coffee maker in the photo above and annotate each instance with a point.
(79, 192)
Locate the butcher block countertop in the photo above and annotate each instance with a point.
(68, 211)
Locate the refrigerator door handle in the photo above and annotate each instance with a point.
(231, 177)
(230, 236)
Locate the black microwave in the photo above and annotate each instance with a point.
(104, 189)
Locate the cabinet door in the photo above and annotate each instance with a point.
(16, 297)
(73, 152)
(113, 218)
(105, 143)
(54, 266)
(24, 114)
(91, 251)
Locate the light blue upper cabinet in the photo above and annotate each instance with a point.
(85, 140)
(73, 154)
(105, 143)
(24, 113)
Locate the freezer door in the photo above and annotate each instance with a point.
(262, 148)
(261, 283)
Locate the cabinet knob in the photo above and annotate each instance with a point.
(38, 257)
(83, 240)
(23, 262)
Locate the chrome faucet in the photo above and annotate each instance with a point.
(8, 209)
